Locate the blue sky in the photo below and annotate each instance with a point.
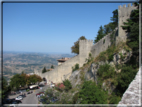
(52, 27)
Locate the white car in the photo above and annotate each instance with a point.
(19, 98)
(52, 85)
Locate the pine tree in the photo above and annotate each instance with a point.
(44, 70)
(100, 34)
(52, 66)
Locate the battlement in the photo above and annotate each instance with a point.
(125, 11)
(86, 41)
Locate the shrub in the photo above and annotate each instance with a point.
(110, 57)
(114, 99)
(67, 84)
(124, 78)
(106, 71)
(121, 55)
(75, 68)
(102, 56)
(91, 94)
(75, 97)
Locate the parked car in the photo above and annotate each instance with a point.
(7, 101)
(52, 86)
(41, 85)
(17, 92)
(29, 92)
(44, 101)
(54, 100)
(14, 102)
(40, 93)
(19, 98)
(18, 101)
(22, 96)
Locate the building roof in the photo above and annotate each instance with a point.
(63, 59)
(49, 69)
(61, 85)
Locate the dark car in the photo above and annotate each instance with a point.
(29, 92)
(44, 101)
(17, 92)
(17, 101)
(41, 85)
(23, 95)
(54, 100)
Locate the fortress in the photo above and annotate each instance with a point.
(64, 70)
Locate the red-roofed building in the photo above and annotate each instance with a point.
(60, 61)
(60, 86)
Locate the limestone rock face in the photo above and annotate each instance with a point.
(121, 57)
(75, 78)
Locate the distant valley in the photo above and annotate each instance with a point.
(16, 62)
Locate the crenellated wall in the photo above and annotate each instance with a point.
(123, 14)
(86, 46)
(102, 44)
(65, 69)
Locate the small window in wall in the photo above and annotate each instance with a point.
(103, 41)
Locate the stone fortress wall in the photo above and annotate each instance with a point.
(86, 46)
(65, 69)
(102, 44)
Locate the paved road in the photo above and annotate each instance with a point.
(31, 98)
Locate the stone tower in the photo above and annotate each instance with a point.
(123, 14)
(84, 50)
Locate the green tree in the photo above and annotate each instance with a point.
(4, 87)
(91, 94)
(34, 79)
(100, 34)
(114, 19)
(108, 27)
(16, 81)
(67, 84)
(44, 70)
(52, 66)
(75, 47)
(124, 78)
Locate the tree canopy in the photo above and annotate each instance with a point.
(75, 47)
(92, 94)
(21, 80)
(108, 27)
(100, 34)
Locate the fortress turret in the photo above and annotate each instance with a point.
(84, 50)
(123, 14)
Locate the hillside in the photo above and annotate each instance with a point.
(14, 62)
